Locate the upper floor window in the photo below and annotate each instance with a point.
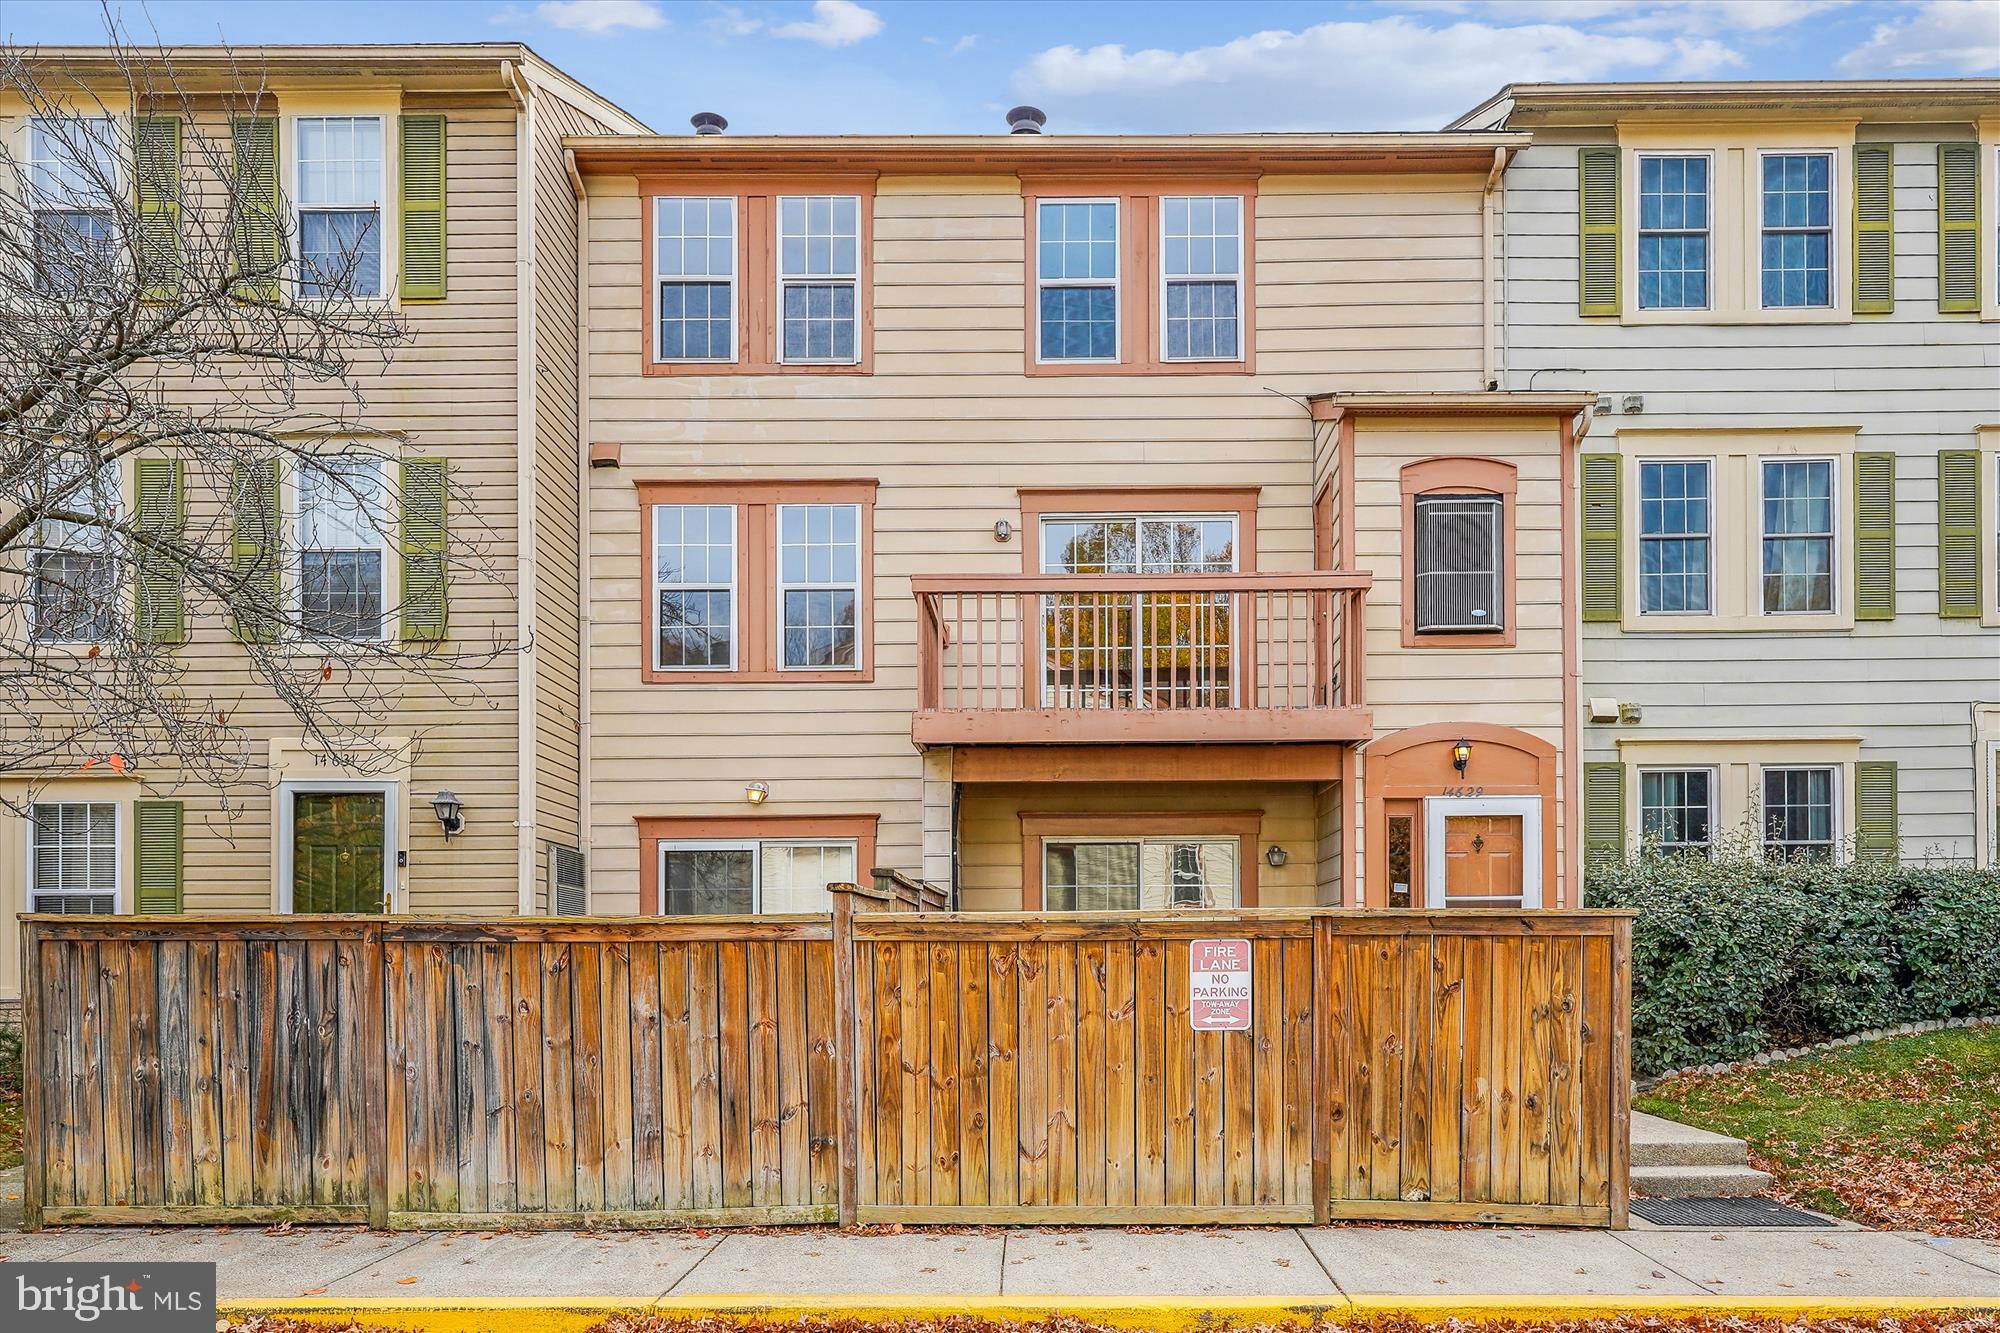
(1799, 814)
(73, 856)
(345, 548)
(1076, 280)
(1673, 233)
(694, 262)
(1797, 230)
(340, 190)
(1201, 260)
(819, 276)
(74, 174)
(74, 593)
(1674, 536)
(758, 581)
(1798, 505)
(1458, 572)
(1677, 809)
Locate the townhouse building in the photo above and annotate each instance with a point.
(1786, 300)
(460, 146)
(1071, 521)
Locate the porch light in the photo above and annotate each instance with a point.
(450, 812)
(1276, 856)
(1461, 755)
(1003, 531)
(757, 793)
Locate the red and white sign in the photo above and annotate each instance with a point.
(1219, 986)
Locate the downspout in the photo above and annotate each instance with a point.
(583, 607)
(526, 594)
(1492, 269)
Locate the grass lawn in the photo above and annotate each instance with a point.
(1898, 1133)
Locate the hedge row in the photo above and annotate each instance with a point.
(1737, 956)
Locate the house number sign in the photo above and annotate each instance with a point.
(1219, 986)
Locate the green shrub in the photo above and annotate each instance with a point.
(1735, 956)
(10, 1061)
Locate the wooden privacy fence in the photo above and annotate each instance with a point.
(669, 1072)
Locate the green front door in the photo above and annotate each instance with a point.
(338, 841)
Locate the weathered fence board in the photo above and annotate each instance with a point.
(878, 1066)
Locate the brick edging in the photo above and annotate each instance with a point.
(1833, 1043)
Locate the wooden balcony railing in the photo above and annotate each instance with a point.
(1054, 658)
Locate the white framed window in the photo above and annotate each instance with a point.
(819, 278)
(75, 170)
(694, 587)
(1458, 558)
(1201, 277)
(819, 587)
(1676, 516)
(1795, 259)
(340, 182)
(1076, 280)
(1799, 499)
(1114, 874)
(751, 876)
(1673, 233)
(694, 271)
(74, 597)
(1125, 649)
(73, 856)
(343, 529)
(1677, 810)
(1801, 813)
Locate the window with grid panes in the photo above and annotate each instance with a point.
(1799, 813)
(1798, 507)
(694, 266)
(1134, 874)
(1201, 261)
(340, 188)
(1673, 233)
(1797, 255)
(819, 585)
(74, 172)
(74, 592)
(694, 581)
(819, 276)
(1676, 809)
(1674, 537)
(73, 856)
(343, 530)
(1076, 280)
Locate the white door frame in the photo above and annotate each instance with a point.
(1529, 808)
(391, 840)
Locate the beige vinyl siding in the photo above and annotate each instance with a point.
(1912, 382)
(451, 390)
(951, 428)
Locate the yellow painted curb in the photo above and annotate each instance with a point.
(1167, 1314)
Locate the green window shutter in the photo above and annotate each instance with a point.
(260, 233)
(1604, 812)
(1874, 536)
(1601, 554)
(425, 541)
(159, 610)
(1875, 837)
(157, 861)
(1958, 533)
(1597, 236)
(257, 533)
(1874, 228)
(1958, 228)
(422, 231)
(156, 160)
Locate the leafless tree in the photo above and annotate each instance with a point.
(159, 301)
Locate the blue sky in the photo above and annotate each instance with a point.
(914, 66)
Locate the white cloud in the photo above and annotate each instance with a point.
(599, 17)
(834, 23)
(1341, 74)
(1691, 16)
(729, 21)
(1701, 58)
(1943, 36)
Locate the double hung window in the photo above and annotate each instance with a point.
(819, 585)
(1799, 818)
(74, 593)
(340, 190)
(343, 534)
(73, 857)
(694, 575)
(1201, 265)
(1677, 810)
(819, 276)
(751, 876)
(1798, 541)
(1673, 233)
(694, 264)
(1675, 535)
(1076, 279)
(1113, 874)
(74, 174)
(1797, 239)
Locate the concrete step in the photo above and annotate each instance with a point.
(1658, 1142)
(1698, 1182)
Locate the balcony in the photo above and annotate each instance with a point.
(1066, 659)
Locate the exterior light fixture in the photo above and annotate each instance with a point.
(450, 812)
(1461, 755)
(757, 793)
(1003, 531)
(1277, 856)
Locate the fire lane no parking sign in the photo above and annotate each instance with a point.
(1219, 985)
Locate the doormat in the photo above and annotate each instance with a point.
(1724, 1213)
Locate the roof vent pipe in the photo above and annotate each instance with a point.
(1026, 120)
(707, 122)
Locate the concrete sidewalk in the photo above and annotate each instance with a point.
(1331, 1264)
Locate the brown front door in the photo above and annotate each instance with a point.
(1482, 860)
